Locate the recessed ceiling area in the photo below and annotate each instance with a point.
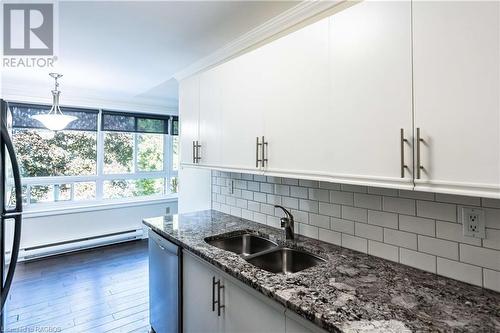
(129, 51)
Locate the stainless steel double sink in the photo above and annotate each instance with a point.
(266, 254)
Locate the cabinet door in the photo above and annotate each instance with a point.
(210, 117)
(242, 109)
(198, 316)
(370, 94)
(456, 75)
(296, 324)
(189, 107)
(245, 312)
(296, 115)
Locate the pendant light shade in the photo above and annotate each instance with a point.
(55, 120)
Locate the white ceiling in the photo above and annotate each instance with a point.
(129, 51)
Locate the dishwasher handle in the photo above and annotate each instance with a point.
(164, 244)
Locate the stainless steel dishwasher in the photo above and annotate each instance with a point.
(165, 285)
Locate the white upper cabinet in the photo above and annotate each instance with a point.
(210, 130)
(332, 99)
(242, 110)
(456, 77)
(296, 114)
(370, 95)
(189, 107)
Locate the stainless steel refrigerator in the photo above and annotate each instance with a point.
(11, 208)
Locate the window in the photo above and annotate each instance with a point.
(44, 153)
(135, 145)
(128, 156)
(174, 129)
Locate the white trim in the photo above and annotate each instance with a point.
(266, 32)
(95, 206)
(458, 188)
(377, 181)
(363, 180)
(223, 168)
(447, 187)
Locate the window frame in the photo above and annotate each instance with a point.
(100, 177)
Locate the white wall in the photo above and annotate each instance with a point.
(194, 189)
(52, 227)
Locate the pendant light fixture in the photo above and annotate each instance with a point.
(55, 120)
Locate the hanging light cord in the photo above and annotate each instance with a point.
(55, 95)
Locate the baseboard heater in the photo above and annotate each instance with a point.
(36, 252)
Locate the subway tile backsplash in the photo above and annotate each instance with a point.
(418, 229)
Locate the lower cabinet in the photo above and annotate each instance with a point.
(197, 298)
(242, 309)
(246, 313)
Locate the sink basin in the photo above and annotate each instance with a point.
(285, 260)
(245, 244)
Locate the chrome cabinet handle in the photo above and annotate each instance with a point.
(403, 140)
(194, 153)
(257, 160)
(419, 165)
(264, 152)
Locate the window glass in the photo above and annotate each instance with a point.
(150, 152)
(174, 183)
(10, 199)
(133, 161)
(23, 117)
(174, 126)
(84, 191)
(123, 188)
(123, 123)
(149, 125)
(41, 193)
(45, 153)
(50, 193)
(118, 153)
(149, 186)
(175, 153)
(62, 192)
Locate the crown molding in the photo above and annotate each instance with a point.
(275, 27)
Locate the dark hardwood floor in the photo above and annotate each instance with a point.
(98, 290)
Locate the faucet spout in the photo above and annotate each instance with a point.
(287, 223)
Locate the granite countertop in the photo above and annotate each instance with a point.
(351, 292)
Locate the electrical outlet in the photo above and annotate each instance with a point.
(473, 222)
